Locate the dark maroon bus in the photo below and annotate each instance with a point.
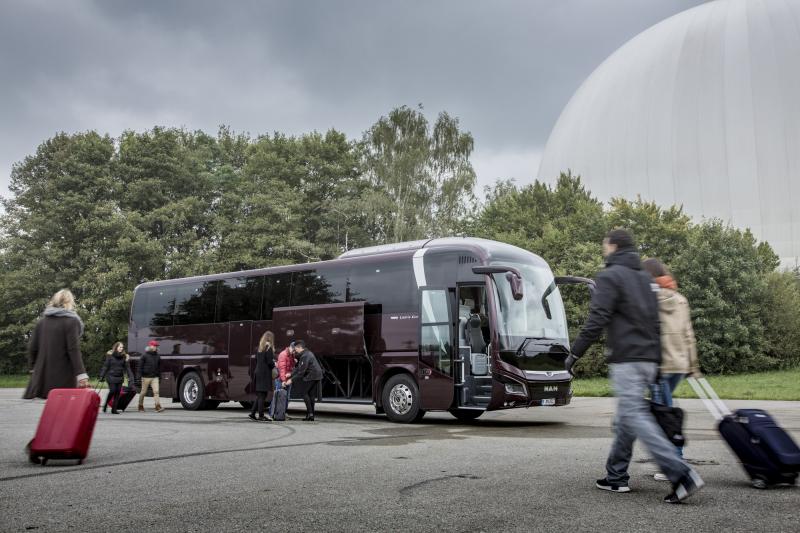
(463, 325)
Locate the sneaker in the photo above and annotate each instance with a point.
(141, 408)
(604, 484)
(158, 409)
(685, 487)
(252, 416)
(659, 476)
(266, 418)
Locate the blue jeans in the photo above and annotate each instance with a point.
(662, 391)
(278, 385)
(634, 421)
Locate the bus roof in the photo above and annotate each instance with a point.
(485, 248)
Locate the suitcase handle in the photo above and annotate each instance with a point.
(706, 393)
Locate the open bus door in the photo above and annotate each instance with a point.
(436, 343)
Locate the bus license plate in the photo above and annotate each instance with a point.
(548, 401)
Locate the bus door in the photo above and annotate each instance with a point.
(241, 348)
(435, 376)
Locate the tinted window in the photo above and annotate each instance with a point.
(195, 303)
(153, 306)
(389, 284)
(240, 299)
(323, 286)
(277, 290)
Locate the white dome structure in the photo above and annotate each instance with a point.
(702, 109)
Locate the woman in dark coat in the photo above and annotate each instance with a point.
(262, 375)
(114, 370)
(54, 351)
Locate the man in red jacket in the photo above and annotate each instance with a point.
(285, 367)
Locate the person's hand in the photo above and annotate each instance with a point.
(83, 384)
(569, 362)
(288, 382)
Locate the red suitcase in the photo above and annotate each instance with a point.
(66, 426)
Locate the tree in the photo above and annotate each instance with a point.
(422, 180)
(723, 273)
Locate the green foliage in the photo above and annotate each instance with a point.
(745, 316)
(422, 179)
(782, 327)
(101, 215)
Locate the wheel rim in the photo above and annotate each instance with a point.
(190, 390)
(401, 399)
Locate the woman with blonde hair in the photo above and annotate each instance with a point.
(262, 375)
(54, 351)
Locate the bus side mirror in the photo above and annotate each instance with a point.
(576, 280)
(516, 285)
(513, 276)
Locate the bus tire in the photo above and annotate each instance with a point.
(191, 391)
(401, 399)
(466, 415)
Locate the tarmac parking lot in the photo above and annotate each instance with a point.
(352, 470)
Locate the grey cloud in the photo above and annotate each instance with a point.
(504, 68)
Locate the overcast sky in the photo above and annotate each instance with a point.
(504, 68)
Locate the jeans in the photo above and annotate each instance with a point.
(662, 391)
(634, 421)
(113, 392)
(279, 385)
(149, 382)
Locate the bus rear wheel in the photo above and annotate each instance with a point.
(192, 391)
(401, 399)
(466, 415)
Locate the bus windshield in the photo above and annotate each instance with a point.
(540, 312)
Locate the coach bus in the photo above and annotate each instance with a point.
(463, 325)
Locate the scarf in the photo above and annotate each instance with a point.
(666, 282)
(60, 311)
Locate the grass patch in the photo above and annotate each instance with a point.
(779, 385)
(13, 381)
(20, 381)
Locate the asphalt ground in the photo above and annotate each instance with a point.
(352, 470)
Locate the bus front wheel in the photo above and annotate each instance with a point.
(401, 399)
(192, 391)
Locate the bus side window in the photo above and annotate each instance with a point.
(389, 284)
(315, 287)
(195, 303)
(277, 290)
(240, 299)
(154, 306)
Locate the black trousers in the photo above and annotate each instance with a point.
(114, 389)
(308, 390)
(258, 405)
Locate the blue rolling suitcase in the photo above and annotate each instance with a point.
(767, 452)
(280, 400)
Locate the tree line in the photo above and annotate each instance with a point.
(100, 215)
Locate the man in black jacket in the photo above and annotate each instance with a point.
(149, 371)
(306, 376)
(625, 305)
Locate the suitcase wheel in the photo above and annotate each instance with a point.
(758, 483)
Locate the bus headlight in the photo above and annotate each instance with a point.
(516, 389)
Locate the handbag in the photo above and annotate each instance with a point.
(671, 421)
